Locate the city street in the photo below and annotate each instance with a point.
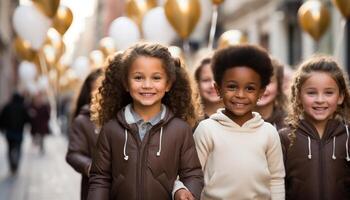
(40, 177)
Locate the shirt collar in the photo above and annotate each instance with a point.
(132, 117)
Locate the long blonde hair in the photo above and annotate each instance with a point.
(317, 64)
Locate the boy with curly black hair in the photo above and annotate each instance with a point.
(240, 153)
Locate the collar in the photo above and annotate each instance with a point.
(132, 117)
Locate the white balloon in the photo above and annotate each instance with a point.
(81, 67)
(27, 71)
(124, 31)
(200, 33)
(156, 27)
(31, 25)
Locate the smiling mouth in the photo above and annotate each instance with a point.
(319, 109)
(239, 105)
(147, 94)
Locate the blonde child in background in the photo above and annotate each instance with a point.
(205, 80)
(272, 104)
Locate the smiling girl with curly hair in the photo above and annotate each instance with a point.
(144, 108)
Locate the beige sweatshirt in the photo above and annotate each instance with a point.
(240, 162)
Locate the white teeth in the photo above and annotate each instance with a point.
(147, 94)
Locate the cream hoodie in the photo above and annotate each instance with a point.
(240, 162)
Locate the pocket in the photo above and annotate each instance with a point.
(164, 181)
(116, 186)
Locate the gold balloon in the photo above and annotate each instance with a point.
(47, 7)
(96, 59)
(24, 50)
(232, 37)
(343, 6)
(217, 2)
(63, 19)
(136, 9)
(107, 46)
(314, 18)
(183, 15)
(55, 40)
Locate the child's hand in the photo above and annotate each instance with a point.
(183, 194)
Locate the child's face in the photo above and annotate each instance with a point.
(320, 97)
(206, 85)
(240, 89)
(147, 82)
(270, 93)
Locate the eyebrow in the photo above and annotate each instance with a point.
(249, 83)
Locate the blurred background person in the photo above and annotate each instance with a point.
(39, 112)
(272, 105)
(82, 133)
(13, 117)
(205, 80)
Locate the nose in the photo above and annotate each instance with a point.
(147, 83)
(320, 98)
(240, 93)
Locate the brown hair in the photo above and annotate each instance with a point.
(317, 64)
(113, 96)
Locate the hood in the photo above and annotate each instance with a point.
(85, 110)
(333, 128)
(224, 120)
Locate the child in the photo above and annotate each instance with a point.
(240, 154)
(271, 106)
(315, 145)
(205, 81)
(82, 135)
(145, 142)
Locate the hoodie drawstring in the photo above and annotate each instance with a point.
(333, 155)
(160, 142)
(346, 144)
(309, 145)
(126, 157)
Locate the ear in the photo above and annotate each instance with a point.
(340, 99)
(217, 89)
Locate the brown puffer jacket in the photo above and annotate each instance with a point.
(317, 168)
(82, 141)
(126, 168)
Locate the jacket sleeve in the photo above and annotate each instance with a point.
(204, 144)
(78, 148)
(101, 175)
(276, 166)
(283, 133)
(190, 171)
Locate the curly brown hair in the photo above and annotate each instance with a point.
(317, 63)
(113, 96)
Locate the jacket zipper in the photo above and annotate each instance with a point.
(321, 174)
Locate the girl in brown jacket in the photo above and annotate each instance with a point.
(144, 108)
(82, 136)
(316, 143)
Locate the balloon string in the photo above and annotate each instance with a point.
(51, 96)
(214, 20)
(340, 38)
